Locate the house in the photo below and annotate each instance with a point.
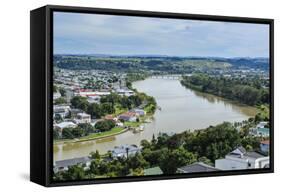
(264, 146)
(128, 116)
(63, 165)
(196, 167)
(94, 99)
(124, 150)
(241, 159)
(125, 92)
(65, 124)
(75, 112)
(110, 117)
(56, 95)
(62, 110)
(153, 171)
(83, 118)
(261, 129)
(89, 93)
(140, 112)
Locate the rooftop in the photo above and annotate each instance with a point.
(197, 167)
(71, 162)
(153, 171)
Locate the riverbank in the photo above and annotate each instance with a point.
(181, 110)
(95, 136)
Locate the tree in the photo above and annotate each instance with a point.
(87, 128)
(94, 110)
(62, 91)
(75, 172)
(104, 125)
(67, 133)
(170, 160)
(80, 103)
(107, 108)
(56, 133)
(60, 100)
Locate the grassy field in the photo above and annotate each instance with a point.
(113, 131)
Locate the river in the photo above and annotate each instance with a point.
(181, 109)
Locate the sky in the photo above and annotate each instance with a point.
(81, 33)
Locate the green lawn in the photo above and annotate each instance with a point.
(102, 134)
(132, 124)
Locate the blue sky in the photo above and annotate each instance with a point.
(77, 33)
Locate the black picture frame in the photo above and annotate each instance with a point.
(41, 53)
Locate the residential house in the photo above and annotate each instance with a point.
(153, 171)
(264, 146)
(83, 118)
(124, 150)
(196, 167)
(75, 112)
(140, 112)
(56, 95)
(65, 124)
(261, 129)
(62, 110)
(63, 165)
(111, 118)
(241, 159)
(94, 99)
(125, 92)
(128, 116)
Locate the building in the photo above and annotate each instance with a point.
(264, 146)
(63, 165)
(111, 118)
(75, 112)
(61, 110)
(56, 95)
(124, 150)
(128, 116)
(140, 112)
(241, 159)
(153, 171)
(261, 129)
(83, 118)
(94, 99)
(125, 92)
(65, 124)
(196, 167)
(89, 93)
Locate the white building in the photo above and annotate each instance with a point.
(62, 110)
(83, 118)
(125, 92)
(260, 130)
(241, 159)
(56, 95)
(91, 93)
(94, 99)
(65, 124)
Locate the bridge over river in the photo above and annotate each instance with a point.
(176, 77)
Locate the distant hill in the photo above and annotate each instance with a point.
(155, 63)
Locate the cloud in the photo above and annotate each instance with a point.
(92, 33)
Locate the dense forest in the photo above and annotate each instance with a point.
(244, 90)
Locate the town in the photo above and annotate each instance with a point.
(94, 104)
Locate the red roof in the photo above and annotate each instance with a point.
(129, 114)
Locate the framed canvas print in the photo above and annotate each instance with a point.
(122, 95)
